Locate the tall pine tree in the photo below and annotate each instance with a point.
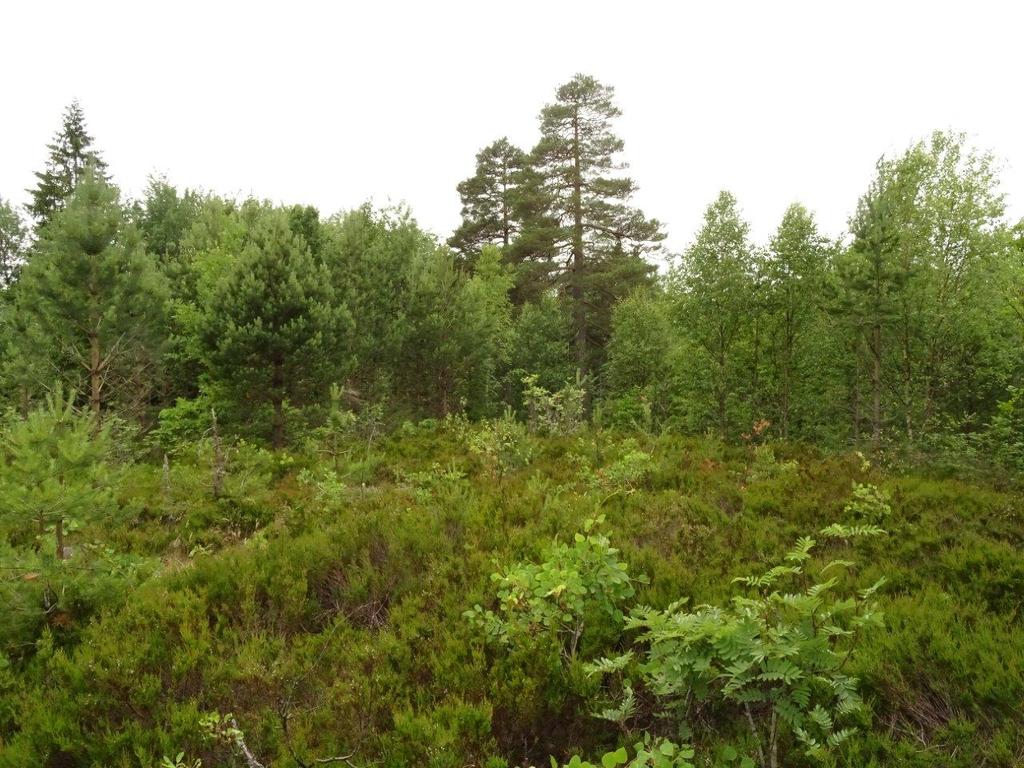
(502, 205)
(490, 204)
(600, 238)
(71, 153)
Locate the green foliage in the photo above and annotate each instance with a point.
(588, 219)
(649, 753)
(552, 413)
(92, 301)
(869, 504)
(778, 657)
(483, 326)
(644, 355)
(13, 242)
(793, 278)
(766, 467)
(502, 444)
(317, 592)
(54, 474)
(540, 347)
(429, 482)
(346, 611)
(333, 438)
(183, 424)
(327, 485)
(626, 474)
(273, 329)
(179, 761)
(716, 287)
(488, 199)
(574, 584)
(70, 155)
(1005, 434)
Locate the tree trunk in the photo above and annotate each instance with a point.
(506, 234)
(58, 529)
(755, 734)
(277, 424)
(876, 387)
(722, 388)
(855, 390)
(219, 468)
(95, 375)
(277, 393)
(755, 377)
(908, 396)
(787, 368)
(784, 410)
(578, 311)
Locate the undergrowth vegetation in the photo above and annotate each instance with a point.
(453, 594)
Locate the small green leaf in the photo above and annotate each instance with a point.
(616, 758)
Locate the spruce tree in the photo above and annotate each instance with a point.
(273, 331)
(71, 153)
(92, 300)
(600, 239)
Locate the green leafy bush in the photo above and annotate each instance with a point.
(869, 504)
(626, 473)
(766, 467)
(1005, 433)
(502, 444)
(573, 584)
(777, 657)
(553, 413)
(648, 753)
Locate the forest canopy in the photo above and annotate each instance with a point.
(905, 330)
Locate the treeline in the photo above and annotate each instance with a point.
(907, 329)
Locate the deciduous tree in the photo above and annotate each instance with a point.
(717, 291)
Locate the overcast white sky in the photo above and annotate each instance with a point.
(335, 103)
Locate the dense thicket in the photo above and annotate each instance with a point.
(438, 409)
